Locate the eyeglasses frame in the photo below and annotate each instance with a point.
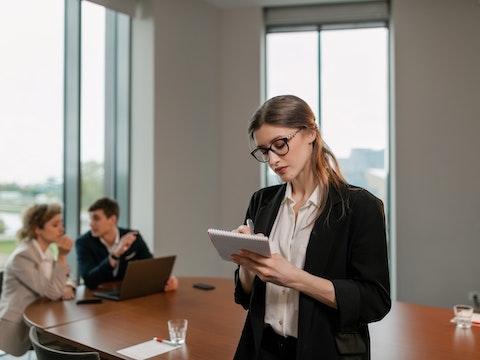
(284, 139)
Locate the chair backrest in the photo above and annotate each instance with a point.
(45, 353)
(1, 281)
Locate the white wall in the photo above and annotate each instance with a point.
(207, 82)
(241, 36)
(198, 158)
(142, 134)
(437, 122)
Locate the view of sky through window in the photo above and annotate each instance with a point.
(31, 90)
(342, 74)
(32, 107)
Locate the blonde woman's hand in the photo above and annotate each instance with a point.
(68, 293)
(64, 245)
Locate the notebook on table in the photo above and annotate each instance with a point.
(142, 277)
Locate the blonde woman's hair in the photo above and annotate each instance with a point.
(35, 217)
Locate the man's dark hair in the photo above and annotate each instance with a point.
(109, 206)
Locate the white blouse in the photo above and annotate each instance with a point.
(290, 239)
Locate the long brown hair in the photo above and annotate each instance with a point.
(292, 112)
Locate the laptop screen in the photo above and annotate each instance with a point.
(142, 277)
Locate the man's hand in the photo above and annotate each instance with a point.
(125, 242)
(172, 284)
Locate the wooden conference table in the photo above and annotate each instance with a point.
(418, 332)
(408, 332)
(214, 328)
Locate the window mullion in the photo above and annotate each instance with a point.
(72, 104)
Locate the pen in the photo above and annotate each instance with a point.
(168, 342)
(250, 225)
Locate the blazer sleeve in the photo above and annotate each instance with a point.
(240, 296)
(26, 268)
(93, 262)
(364, 295)
(141, 249)
(262, 209)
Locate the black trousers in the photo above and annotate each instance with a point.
(277, 347)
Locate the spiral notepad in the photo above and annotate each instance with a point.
(228, 243)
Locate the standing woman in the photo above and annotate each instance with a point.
(32, 272)
(328, 274)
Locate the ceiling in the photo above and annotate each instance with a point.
(247, 3)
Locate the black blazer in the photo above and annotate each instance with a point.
(93, 262)
(347, 246)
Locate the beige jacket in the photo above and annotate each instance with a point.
(23, 283)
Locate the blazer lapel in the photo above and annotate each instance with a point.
(322, 237)
(268, 211)
(322, 240)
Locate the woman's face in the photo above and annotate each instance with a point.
(52, 230)
(297, 161)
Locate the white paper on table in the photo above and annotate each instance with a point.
(146, 350)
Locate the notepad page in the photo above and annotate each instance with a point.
(228, 243)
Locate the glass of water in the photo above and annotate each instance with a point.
(463, 316)
(177, 328)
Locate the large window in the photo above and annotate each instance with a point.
(354, 104)
(343, 75)
(31, 110)
(64, 110)
(341, 70)
(92, 114)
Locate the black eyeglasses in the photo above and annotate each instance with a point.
(278, 147)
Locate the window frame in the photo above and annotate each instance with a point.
(333, 17)
(117, 116)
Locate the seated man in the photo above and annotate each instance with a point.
(104, 251)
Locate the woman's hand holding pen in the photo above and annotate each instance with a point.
(275, 269)
(244, 229)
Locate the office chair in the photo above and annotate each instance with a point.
(45, 353)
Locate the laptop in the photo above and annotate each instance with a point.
(142, 277)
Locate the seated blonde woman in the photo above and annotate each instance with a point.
(32, 272)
